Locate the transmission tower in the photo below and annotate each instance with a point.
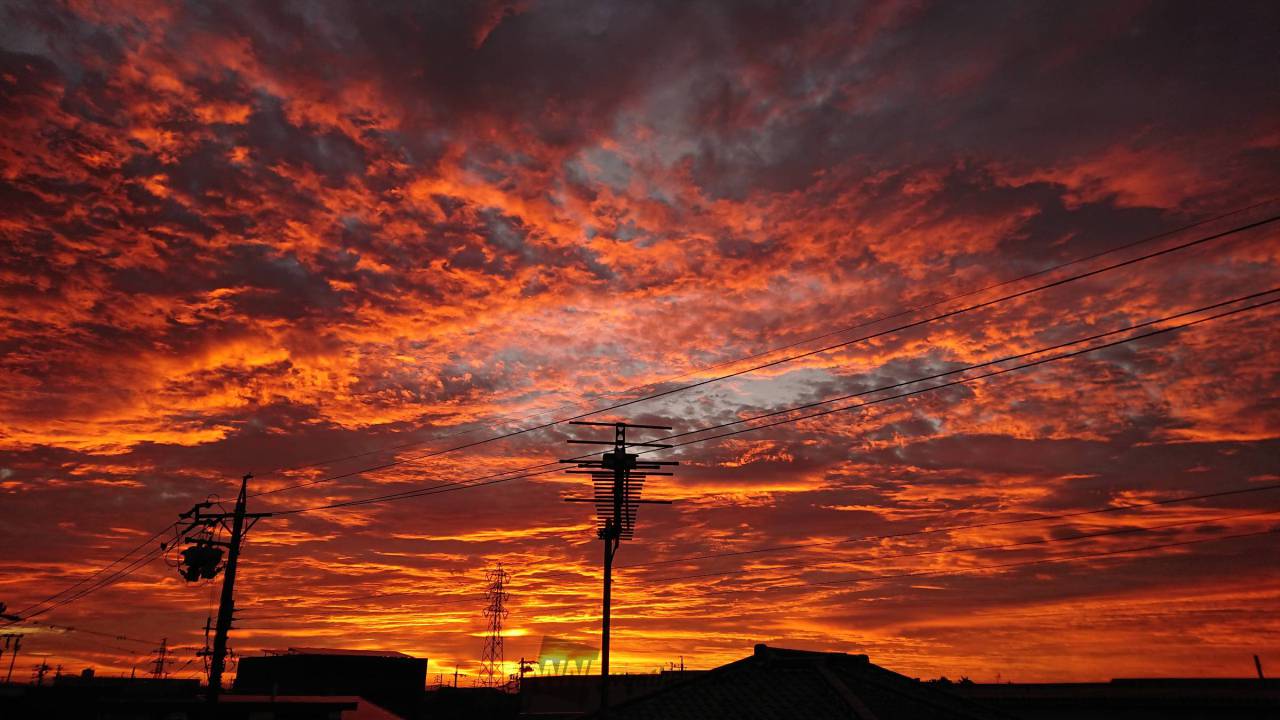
(491, 672)
(160, 666)
(617, 479)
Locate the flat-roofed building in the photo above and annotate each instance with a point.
(389, 679)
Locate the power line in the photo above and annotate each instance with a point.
(763, 353)
(111, 579)
(952, 528)
(846, 343)
(465, 485)
(355, 598)
(965, 381)
(87, 631)
(184, 666)
(988, 363)
(482, 481)
(98, 572)
(130, 653)
(953, 313)
(772, 363)
(303, 609)
(496, 477)
(1042, 541)
(129, 569)
(797, 343)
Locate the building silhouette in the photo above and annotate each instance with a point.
(389, 679)
(785, 684)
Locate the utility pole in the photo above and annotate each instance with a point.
(206, 652)
(226, 603)
(525, 666)
(40, 671)
(491, 674)
(202, 560)
(13, 656)
(617, 479)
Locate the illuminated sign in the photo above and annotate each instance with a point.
(559, 653)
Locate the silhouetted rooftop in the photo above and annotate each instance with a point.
(1133, 699)
(393, 680)
(779, 683)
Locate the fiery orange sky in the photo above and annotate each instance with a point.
(240, 237)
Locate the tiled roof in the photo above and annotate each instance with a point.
(774, 683)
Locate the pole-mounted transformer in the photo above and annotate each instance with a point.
(202, 559)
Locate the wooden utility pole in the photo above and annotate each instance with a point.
(16, 638)
(525, 666)
(40, 671)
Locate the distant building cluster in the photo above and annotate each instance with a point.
(770, 684)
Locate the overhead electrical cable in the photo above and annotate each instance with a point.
(863, 338)
(949, 314)
(96, 573)
(965, 381)
(988, 363)
(952, 313)
(116, 576)
(497, 478)
(87, 631)
(184, 666)
(804, 341)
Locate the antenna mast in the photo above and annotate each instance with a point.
(617, 479)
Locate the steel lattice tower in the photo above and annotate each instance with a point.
(491, 670)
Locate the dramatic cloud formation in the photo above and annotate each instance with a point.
(305, 239)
